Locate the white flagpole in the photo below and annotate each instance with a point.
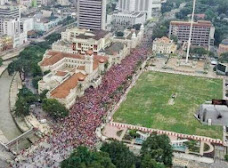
(191, 27)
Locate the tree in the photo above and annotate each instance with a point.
(1, 61)
(224, 57)
(27, 95)
(54, 108)
(148, 162)
(158, 148)
(83, 158)
(35, 81)
(21, 107)
(119, 34)
(161, 29)
(174, 38)
(226, 157)
(137, 26)
(36, 70)
(43, 95)
(199, 51)
(120, 154)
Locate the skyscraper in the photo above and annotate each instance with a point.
(91, 14)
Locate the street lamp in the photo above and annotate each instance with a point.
(190, 34)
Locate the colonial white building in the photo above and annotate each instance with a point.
(126, 18)
(77, 62)
(77, 40)
(70, 74)
(164, 46)
(132, 37)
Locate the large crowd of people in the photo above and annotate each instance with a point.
(85, 116)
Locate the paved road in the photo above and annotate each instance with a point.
(7, 124)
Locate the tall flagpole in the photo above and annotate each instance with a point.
(191, 27)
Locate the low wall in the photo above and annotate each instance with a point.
(169, 133)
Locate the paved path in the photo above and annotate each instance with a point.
(7, 124)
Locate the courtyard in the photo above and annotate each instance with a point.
(169, 101)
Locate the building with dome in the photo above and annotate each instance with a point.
(164, 46)
(223, 47)
(70, 74)
(77, 62)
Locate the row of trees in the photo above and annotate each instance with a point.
(171, 4)
(156, 152)
(27, 65)
(27, 62)
(26, 98)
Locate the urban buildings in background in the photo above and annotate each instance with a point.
(126, 19)
(92, 14)
(10, 25)
(164, 46)
(202, 34)
(150, 7)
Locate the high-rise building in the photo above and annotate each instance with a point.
(150, 7)
(91, 14)
(10, 24)
(3, 2)
(8, 14)
(202, 32)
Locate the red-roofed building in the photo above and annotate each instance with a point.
(67, 72)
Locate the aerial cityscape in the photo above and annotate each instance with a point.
(113, 84)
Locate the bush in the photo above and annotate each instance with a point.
(25, 99)
(134, 134)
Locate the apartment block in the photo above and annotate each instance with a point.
(202, 33)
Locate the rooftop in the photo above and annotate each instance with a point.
(88, 34)
(217, 113)
(55, 56)
(163, 40)
(113, 48)
(199, 23)
(64, 89)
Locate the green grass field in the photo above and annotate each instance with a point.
(147, 104)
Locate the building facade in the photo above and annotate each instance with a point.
(71, 75)
(73, 70)
(202, 33)
(164, 46)
(10, 25)
(77, 40)
(91, 14)
(223, 47)
(128, 19)
(150, 7)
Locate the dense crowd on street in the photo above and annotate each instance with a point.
(86, 115)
